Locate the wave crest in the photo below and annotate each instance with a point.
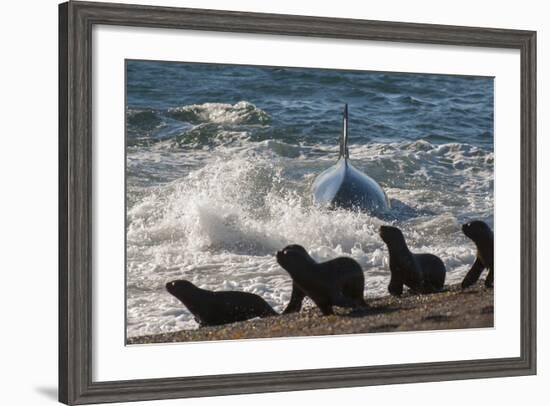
(242, 112)
(221, 223)
(143, 122)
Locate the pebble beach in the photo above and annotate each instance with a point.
(453, 308)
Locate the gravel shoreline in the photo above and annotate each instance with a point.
(451, 309)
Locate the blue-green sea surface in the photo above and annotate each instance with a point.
(221, 158)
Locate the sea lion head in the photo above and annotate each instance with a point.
(293, 256)
(180, 288)
(391, 235)
(476, 230)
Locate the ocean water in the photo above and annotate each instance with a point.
(221, 158)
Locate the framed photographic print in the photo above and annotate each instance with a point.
(257, 202)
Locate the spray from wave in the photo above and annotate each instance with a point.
(220, 160)
(220, 225)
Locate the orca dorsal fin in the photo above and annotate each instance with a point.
(344, 152)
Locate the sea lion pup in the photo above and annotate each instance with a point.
(215, 308)
(338, 282)
(482, 235)
(423, 273)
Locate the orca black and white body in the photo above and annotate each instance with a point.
(344, 186)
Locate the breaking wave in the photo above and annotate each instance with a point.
(220, 160)
(220, 225)
(242, 112)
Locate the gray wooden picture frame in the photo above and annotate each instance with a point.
(76, 20)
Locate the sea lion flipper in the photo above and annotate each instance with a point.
(396, 285)
(296, 299)
(343, 301)
(473, 274)
(489, 280)
(325, 308)
(268, 311)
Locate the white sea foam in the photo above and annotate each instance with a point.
(220, 224)
(242, 112)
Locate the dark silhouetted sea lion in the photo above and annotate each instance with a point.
(215, 308)
(338, 282)
(423, 273)
(482, 235)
